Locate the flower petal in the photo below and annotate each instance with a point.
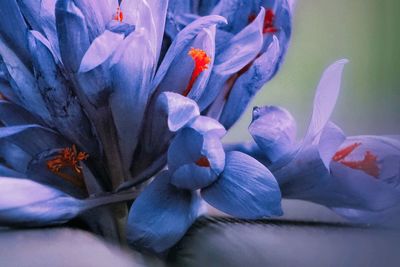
(331, 139)
(100, 50)
(325, 99)
(192, 177)
(161, 215)
(179, 109)
(274, 130)
(245, 189)
(203, 125)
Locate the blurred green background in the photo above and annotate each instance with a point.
(364, 31)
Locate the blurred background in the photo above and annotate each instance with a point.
(364, 31)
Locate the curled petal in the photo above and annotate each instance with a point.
(246, 189)
(161, 215)
(274, 130)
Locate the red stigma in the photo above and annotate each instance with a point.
(269, 21)
(369, 164)
(118, 16)
(203, 162)
(341, 154)
(68, 158)
(201, 61)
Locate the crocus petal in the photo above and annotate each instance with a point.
(274, 130)
(7, 172)
(150, 15)
(203, 125)
(65, 110)
(70, 21)
(248, 84)
(330, 140)
(12, 114)
(325, 99)
(183, 40)
(233, 56)
(192, 177)
(246, 189)
(13, 30)
(100, 50)
(97, 14)
(23, 83)
(132, 74)
(161, 215)
(26, 203)
(185, 148)
(179, 109)
(32, 138)
(41, 18)
(14, 156)
(236, 12)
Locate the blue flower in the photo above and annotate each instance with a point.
(234, 183)
(249, 49)
(357, 176)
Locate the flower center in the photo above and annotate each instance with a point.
(118, 16)
(269, 21)
(68, 158)
(201, 61)
(369, 164)
(203, 162)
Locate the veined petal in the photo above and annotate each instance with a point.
(13, 30)
(150, 15)
(23, 83)
(41, 18)
(12, 114)
(97, 14)
(179, 109)
(26, 203)
(100, 50)
(248, 84)
(65, 110)
(233, 56)
(131, 73)
(245, 189)
(161, 215)
(182, 41)
(70, 21)
(325, 99)
(235, 11)
(32, 138)
(192, 177)
(203, 125)
(274, 130)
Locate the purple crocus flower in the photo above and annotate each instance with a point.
(249, 49)
(357, 176)
(234, 182)
(85, 125)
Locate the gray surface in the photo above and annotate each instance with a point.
(268, 243)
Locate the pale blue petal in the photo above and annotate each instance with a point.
(232, 56)
(325, 99)
(161, 215)
(245, 189)
(248, 84)
(274, 130)
(179, 109)
(330, 140)
(235, 11)
(203, 125)
(70, 21)
(100, 50)
(132, 73)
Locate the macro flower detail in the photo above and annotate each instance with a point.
(196, 160)
(201, 61)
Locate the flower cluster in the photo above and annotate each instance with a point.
(113, 102)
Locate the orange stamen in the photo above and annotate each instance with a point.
(369, 164)
(201, 61)
(203, 162)
(118, 16)
(68, 158)
(341, 154)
